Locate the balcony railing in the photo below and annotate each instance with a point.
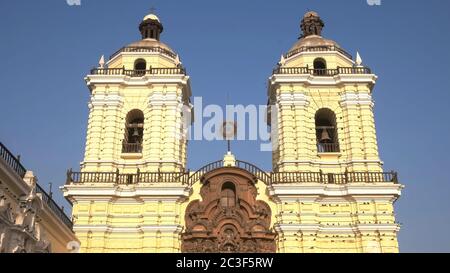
(268, 178)
(317, 49)
(322, 72)
(139, 73)
(131, 148)
(59, 212)
(330, 178)
(257, 172)
(12, 161)
(328, 148)
(143, 50)
(125, 179)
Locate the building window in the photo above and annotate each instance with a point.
(134, 132)
(228, 195)
(320, 67)
(326, 131)
(140, 66)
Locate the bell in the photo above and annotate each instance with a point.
(325, 137)
(136, 132)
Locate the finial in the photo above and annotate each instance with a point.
(101, 62)
(50, 192)
(177, 60)
(311, 24)
(358, 59)
(282, 60)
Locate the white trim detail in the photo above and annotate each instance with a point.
(348, 99)
(184, 80)
(309, 80)
(297, 99)
(125, 164)
(168, 193)
(168, 99)
(105, 100)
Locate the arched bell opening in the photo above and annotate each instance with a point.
(326, 131)
(134, 132)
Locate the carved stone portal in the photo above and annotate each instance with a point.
(229, 218)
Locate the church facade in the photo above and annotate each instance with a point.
(327, 191)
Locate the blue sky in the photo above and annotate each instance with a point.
(231, 47)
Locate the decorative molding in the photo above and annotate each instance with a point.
(110, 191)
(316, 228)
(101, 100)
(167, 99)
(313, 162)
(315, 53)
(176, 229)
(387, 191)
(140, 54)
(296, 99)
(348, 99)
(124, 80)
(311, 80)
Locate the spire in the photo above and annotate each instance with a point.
(311, 24)
(151, 27)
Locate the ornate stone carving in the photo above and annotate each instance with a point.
(229, 218)
(19, 230)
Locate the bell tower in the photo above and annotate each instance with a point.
(136, 108)
(127, 195)
(325, 107)
(331, 192)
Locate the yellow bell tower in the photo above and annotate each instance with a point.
(136, 106)
(127, 196)
(325, 106)
(329, 184)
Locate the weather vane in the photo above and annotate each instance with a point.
(152, 10)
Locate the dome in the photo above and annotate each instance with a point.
(151, 16)
(311, 14)
(151, 43)
(313, 41)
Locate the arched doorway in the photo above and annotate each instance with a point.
(229, 218)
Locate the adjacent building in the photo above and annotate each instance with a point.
(30, 220)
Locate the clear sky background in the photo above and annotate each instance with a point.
(47, 47)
